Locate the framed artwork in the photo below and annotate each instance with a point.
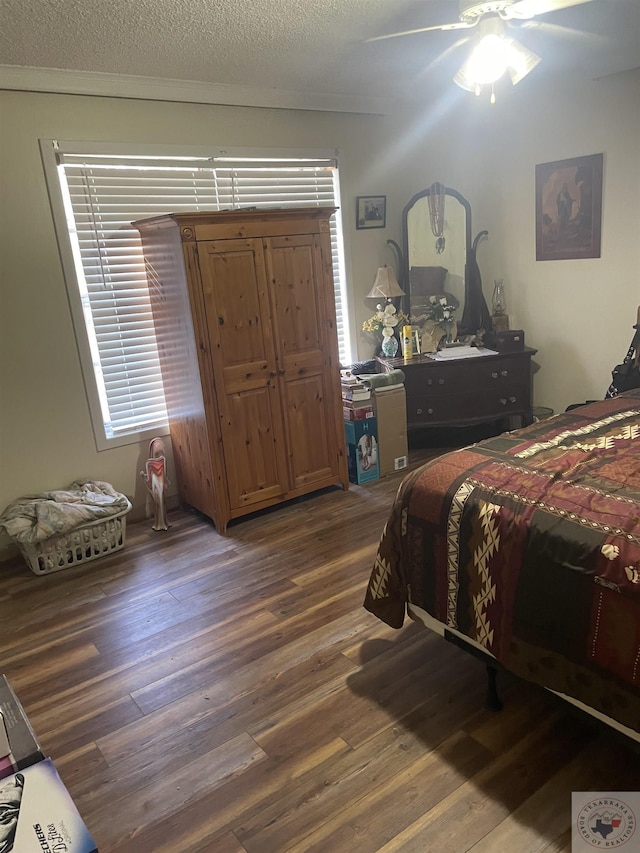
(371, 211)
(569, 208)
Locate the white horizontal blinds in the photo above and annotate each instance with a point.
(105, 197)
(107, 193)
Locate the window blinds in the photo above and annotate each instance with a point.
(105, 194)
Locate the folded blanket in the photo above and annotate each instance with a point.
(34, 518)
(378, 380)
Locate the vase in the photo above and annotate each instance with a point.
(390, 346)
(448, 325)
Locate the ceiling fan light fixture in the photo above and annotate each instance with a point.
(523, 61)
(494, 54)
(489, 60)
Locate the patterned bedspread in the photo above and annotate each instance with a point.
(529, 544)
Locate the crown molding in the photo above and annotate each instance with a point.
(62, 81)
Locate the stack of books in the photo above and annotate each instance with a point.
(355, 398)
(354, 389)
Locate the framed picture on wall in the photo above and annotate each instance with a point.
(371, 211)
(569, 208)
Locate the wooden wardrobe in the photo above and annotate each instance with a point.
(244, 312)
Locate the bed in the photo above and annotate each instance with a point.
(525, 548)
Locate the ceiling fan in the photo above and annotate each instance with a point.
(471, 12)
(495, 51)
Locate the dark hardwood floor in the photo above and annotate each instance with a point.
(228, 694)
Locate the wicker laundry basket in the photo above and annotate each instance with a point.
(81, 545)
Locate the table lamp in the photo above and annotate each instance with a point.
(385, 285)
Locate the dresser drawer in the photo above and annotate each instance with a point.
(429, 409)
(479, 374)
(465, 391)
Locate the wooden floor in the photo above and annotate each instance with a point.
(229, 694)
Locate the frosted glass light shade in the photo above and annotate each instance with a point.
(494, 54)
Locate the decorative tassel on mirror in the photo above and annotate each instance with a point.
(155, 477)
(435, 200)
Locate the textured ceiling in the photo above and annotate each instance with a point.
(314, 46)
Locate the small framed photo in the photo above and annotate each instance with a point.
(371, 211)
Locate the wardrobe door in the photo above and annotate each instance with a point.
(307, 363)
(238, 322)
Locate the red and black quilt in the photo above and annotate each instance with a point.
(529, 544)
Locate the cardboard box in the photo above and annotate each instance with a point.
(355, 412)
(391, 416)
(362, 447)
(39, 815)
(24, 749)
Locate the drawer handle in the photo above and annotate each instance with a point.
(503, 401)
(512, 399)
(440, 381)
(418, 411)
(504, 373)
(429, 411)
(494, 375)
(429, 381)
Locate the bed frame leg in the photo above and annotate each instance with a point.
(493, 700)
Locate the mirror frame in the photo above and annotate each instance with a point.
(475, 314)
(405, 235)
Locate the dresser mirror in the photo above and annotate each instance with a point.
(438, 256)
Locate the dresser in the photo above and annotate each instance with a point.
(244, 313)
(464, 392)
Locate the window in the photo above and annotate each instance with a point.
(97, 194)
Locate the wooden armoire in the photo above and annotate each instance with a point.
(244, 312)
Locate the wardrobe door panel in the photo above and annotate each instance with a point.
(301, 351)
(238, 322)
(255, 472)
(295, 293)
(309, 448)
(236, 302)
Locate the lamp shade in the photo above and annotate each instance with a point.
(385, 285)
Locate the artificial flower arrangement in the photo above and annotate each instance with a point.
(383, 324)
(437, 321)
(441, 309)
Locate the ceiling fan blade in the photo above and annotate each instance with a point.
(523, 9)
(459, 26)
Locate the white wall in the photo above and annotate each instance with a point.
(46, 440)
(577, 313)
